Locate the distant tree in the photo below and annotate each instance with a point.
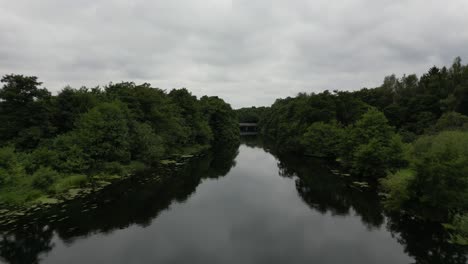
(451, 121)
(222, 120)
(198, 127)
(371, 147)
(323, 139)
(25, 111)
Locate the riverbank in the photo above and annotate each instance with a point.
(11, 213)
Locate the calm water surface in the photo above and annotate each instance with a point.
(237, 206)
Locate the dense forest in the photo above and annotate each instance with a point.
(409, 135)
(52, 143)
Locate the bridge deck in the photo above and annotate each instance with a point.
(248, 129)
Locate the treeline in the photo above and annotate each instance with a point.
(50, 143)
(410, 134)
(251, 114)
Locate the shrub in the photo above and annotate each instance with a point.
(438, 182)
(11, 168)
(371, 148)
(44, 177)
(42, 157)
(323, 139)
(69, 182)
(397, 187)
(451, 121)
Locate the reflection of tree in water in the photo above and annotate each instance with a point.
(135, 201)
(222, 159)
(326, 192)
(25, 246)
(426, 242)
(252, 141)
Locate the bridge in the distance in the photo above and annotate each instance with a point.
(248, 129)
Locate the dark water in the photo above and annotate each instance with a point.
(233, 206)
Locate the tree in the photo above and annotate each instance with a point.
(222, 120)
(198, 127)
(441, 172)
(71, 103)
(451, 121)
(323, 139)
(25, 111)
(371, 147)
(103, 133)
(145, 144)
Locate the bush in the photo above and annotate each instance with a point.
(451, 121)
(103, 133)
(72, 157)
(323, 139)
(146, 145)
(438, 183)
(112, 168)
(42, 157)
(11, 168)
(397, 187)
(459, 228)
(69, 182)
(44, 177)
(371, 148)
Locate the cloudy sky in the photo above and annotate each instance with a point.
(248, 52)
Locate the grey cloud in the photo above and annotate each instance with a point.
(247, 52)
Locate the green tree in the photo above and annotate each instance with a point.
(25, 112)
(71, 103)
(435, 185)
(323, 139)
(10, 167)
(451, 121)
(146, 146)
(222, 120)
(190, 109)
(104, 134)
(371, 147)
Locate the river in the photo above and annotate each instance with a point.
(242, 205)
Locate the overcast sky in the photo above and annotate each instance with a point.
(249, 52)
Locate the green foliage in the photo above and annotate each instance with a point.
(72, 158)
(397, 187)
(221, 119)
(323, 139)
(251, 114)
(10, 167)
(441, 165)
(71, 103)
(41, 157)
(25, 111)
(44, 177)
(103, 133)
(53, 143)
(437, 185)
(451, 121)
(371, 146)
(145, 144)
(71, 181)
(459, 229)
